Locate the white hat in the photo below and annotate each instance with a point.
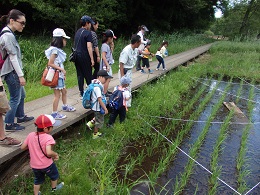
(125, 80)
(58, 32)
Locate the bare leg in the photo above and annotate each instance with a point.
(36, 189)
(64, 96)
(2, 130)
(54, 184)
(56, 100)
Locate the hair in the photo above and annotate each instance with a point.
(92, 25)
(163, 43)
(41, 129)
(135, 39)
(57, 42)
(13, 14)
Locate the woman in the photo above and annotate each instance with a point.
(96, 54)
(12, 70)
(84, 54)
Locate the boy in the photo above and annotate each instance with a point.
(41, 154)
(145, 59)
(125, 82)
(99, 103)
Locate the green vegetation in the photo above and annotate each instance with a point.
(91, 166)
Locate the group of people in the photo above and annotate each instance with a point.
(88, 57)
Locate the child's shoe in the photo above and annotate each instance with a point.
(58, 187)
(58, 116)
(151, 71)
(90, 124)
(97, 135)
(142, 71)
(164, 69)
(68, 108)
(157, 69)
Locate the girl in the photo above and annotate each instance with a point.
(56, 57)
(107, 57)
(145, 58)
(160, 54)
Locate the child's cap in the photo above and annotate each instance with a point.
(109, 33)
(58, 32)
(46, 120)
(104, 73)
(125, 80)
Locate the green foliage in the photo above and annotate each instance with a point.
(208, 33)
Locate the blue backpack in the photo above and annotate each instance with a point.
(116, 99)
(86, 99)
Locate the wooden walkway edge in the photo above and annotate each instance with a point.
(44, 105)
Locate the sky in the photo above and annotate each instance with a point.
(218, 13)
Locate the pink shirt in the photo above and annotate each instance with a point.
(38, 159)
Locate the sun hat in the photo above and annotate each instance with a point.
(103, 73)
(46, 120)
(86, 18)
(109, 33)
(125, 80)
(143, 27)
(58, 32)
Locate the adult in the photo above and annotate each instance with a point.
(141, 32)
(96, 54)
(84, 53)
(8, 141)
(127, 60)
(12, 71)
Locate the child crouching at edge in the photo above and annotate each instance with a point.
(41, 154)
(99, 103)
(125, 82)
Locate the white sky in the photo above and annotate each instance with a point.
(218, 13)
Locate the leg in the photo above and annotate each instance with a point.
(80, 79)
(56, 100)
(2, 131)
(36, 189)
(20, 109)
(138, 62)
(122, 114)
(64, 96)
(163, 65)
(96, 66)
(15, 91)
(112, 117)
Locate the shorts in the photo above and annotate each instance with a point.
(51, 172)
(145, 62)
(99, 119)
(61, 84)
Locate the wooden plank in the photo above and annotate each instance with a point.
(232, 106)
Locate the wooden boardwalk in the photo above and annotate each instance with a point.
(44, 104)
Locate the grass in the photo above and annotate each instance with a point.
(89, 166)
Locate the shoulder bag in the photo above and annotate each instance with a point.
(50, 77)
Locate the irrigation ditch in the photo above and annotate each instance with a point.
(212, 148)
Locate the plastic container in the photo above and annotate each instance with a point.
(50, 75)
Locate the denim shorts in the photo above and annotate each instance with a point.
(51, 172)
(61, 84)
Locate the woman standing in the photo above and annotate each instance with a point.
(12, 69)
(95, 48)
(84, 54)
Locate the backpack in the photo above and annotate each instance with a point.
(2, 59)
(116, 99)
(86, 99)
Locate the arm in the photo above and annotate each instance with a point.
(98, 54)
(105, 60)
(121, 67)
(51, 64)
(89, 46)
(17, 68)
(51, 153)
(102, 105)
(24, 146)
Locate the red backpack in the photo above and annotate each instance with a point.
(2, 59)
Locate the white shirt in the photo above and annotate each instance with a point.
(97, 92)
(128, 56)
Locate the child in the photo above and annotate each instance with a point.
(145, 59)
(41, 154)
(99, 105)
(56, 57)
(107, 57)
(160, 54)
(125, 82)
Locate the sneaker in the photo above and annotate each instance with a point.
(151, 71)
(157, 69)
(58, 187)
(58, 116)
(9, 141)
(90, 124)
(14, 127)
(39, 193)
(25, 119)
(97, 135)
(142, 71)
(68, 108)
(164, 69)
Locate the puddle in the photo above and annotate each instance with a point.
(198, 181)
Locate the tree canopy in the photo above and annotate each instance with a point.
(120, 15)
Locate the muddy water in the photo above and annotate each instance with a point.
(199, 180)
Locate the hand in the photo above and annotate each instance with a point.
(98, 59)
(56, 157)
(108, 68)
(106, 111)
(92, 63)
(22, 81)
(63, 71)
